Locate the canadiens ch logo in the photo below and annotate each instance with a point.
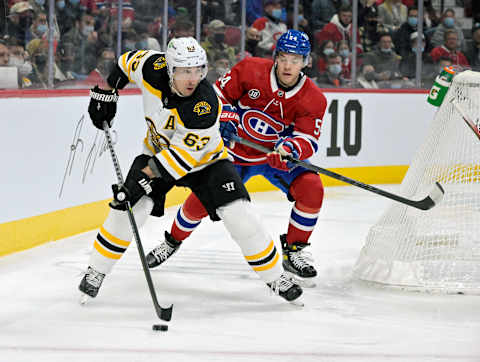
(254, 93)
(202, 108)
(261, 126)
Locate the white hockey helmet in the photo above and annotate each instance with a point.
(185, 52)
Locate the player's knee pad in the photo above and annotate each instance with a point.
(118, 220)
(308, 190)
(115, 235)
(259, 249)
(240, 219)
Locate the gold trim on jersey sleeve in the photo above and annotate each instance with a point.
(148, 145)
(154, 91)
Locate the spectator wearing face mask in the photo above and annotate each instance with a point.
(38, 52)
(39, 27)
(401, 37)
(220, 66)
(450, 49)
(105, 64)
(385, 61)
(448, 23)
(409, 60)
(345, 54)
(332, 78)
(130, 41)
(252, 38)
(215, 42)
(40, 7)
(270, 26)
(371, 29)
(366, 78)
(19, 20)
(78, 48)
(323, 51)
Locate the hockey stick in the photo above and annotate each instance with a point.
(162, 313)
(473, 126)
(433, 198)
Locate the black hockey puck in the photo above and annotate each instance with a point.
(160, 327)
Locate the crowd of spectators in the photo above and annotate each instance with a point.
(85, 38)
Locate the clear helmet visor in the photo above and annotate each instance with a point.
(190, 73)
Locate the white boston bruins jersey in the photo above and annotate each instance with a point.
(183, 132)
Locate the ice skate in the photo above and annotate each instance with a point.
(287, 289)
(162, 252)
(90, 284)
(297, 262)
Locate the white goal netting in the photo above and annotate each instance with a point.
(438, 249)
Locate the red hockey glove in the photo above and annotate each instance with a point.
(284, 147)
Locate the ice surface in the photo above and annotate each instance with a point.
(222, 311)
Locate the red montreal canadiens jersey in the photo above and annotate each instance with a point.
(268, 112)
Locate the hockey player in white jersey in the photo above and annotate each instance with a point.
(183, 147)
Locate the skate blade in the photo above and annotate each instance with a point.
(84, 299)
(303, 282)
(297, 302)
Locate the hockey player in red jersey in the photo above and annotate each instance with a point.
(274, 104)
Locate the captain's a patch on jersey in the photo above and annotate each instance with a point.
(202, 108)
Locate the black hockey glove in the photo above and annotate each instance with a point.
(136, 185)
(103, 106)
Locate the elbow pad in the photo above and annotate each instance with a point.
(117, 79)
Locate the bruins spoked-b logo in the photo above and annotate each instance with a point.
(159, 63)
(158, 140)
(202, 108)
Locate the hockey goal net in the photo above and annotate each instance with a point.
(436, 250)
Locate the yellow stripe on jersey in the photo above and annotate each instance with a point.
(154, 91)
(174, 166)
(114, 239)
(189, 160)
(133, 59)
(104, 252)
(262, 253)
(207, 158)
(148, 145)
(267, 266)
